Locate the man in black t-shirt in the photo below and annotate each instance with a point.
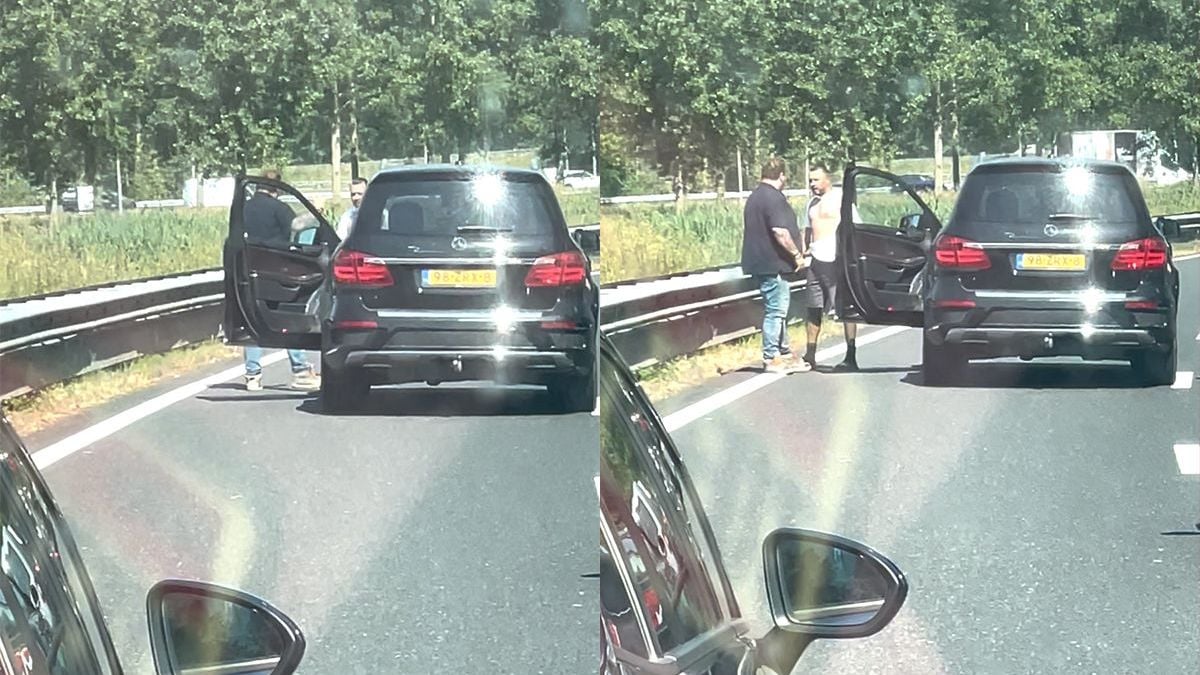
(769, 251)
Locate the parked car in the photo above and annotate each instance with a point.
(92, 199)
(1040, 258)
(52, 620)
(666, 602)
(918, 182)
(450, 273)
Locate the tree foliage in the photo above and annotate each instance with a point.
(227, 85)
(685, 84)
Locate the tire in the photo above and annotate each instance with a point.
(575, 393)
(1156, 368)
(344, 390)
(940, 365)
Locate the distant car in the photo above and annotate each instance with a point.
(582, 180)
(52, 621)
(101, 199)
(1040, 258)
(666, 602)
(450, 273)
(918, 182)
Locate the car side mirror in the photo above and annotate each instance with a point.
(197, 626)
(824, 586)
(588, 239)
(912, 226)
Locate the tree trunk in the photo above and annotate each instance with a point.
(335, 147)
(937, 138)
(54, 205)
(120, 190)
(741, 172)
(354, 150)
(955, 175)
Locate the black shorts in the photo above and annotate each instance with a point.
(822, 285)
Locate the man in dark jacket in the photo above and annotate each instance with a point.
(269, 221)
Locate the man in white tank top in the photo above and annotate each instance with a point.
(824, 213)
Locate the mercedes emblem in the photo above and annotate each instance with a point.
(458, 243)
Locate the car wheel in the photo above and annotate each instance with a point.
(940, 364)
(342, 390)
(1156, 368)
(575, 393)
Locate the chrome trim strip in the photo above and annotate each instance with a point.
(1055, 246)
(467, 315)
(1055, 296)
(483, 260)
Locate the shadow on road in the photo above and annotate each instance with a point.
(1007, 375)
(444, 401)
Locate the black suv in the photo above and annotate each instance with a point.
(666, 604)
(449, 273)
(1040, 257)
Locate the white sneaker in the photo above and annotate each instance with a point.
(254, 382)
(306, 380)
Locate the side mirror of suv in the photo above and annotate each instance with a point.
(588, 239)
(825, 586)
(913, 226)
(197, 626)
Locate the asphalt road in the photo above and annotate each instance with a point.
(447, 530)
(1027, 507)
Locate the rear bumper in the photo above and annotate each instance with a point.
(1101, 334)
(391, 355)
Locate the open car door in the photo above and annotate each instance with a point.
(884, 239)
(274, 284)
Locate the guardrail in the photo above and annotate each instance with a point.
(50, 338)
(1179, 227)
(53, 337)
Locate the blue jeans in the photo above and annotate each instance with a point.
(776, 299)
(254, 357)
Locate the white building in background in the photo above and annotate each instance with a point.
(213, 192)
(1140, 150)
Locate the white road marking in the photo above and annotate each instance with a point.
(681, 418)
(81, 439)
(1183, 379)
(1187, 455)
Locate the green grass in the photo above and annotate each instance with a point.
(642, 240)
(83, 250)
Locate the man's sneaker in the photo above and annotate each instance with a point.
(785, 365)
(254, 382)
(306, 380)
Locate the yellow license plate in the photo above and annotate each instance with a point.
(1051, 261)
(459, 278)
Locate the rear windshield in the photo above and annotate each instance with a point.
(1026, 200)
(440, 208)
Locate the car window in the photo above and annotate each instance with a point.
(652, 520)
(46, 616)
(420, 210)
(625, 623)
(1024, 201)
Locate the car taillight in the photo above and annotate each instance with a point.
(560, 269)
(352, 268)
(1143, 254)
(957, 253)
